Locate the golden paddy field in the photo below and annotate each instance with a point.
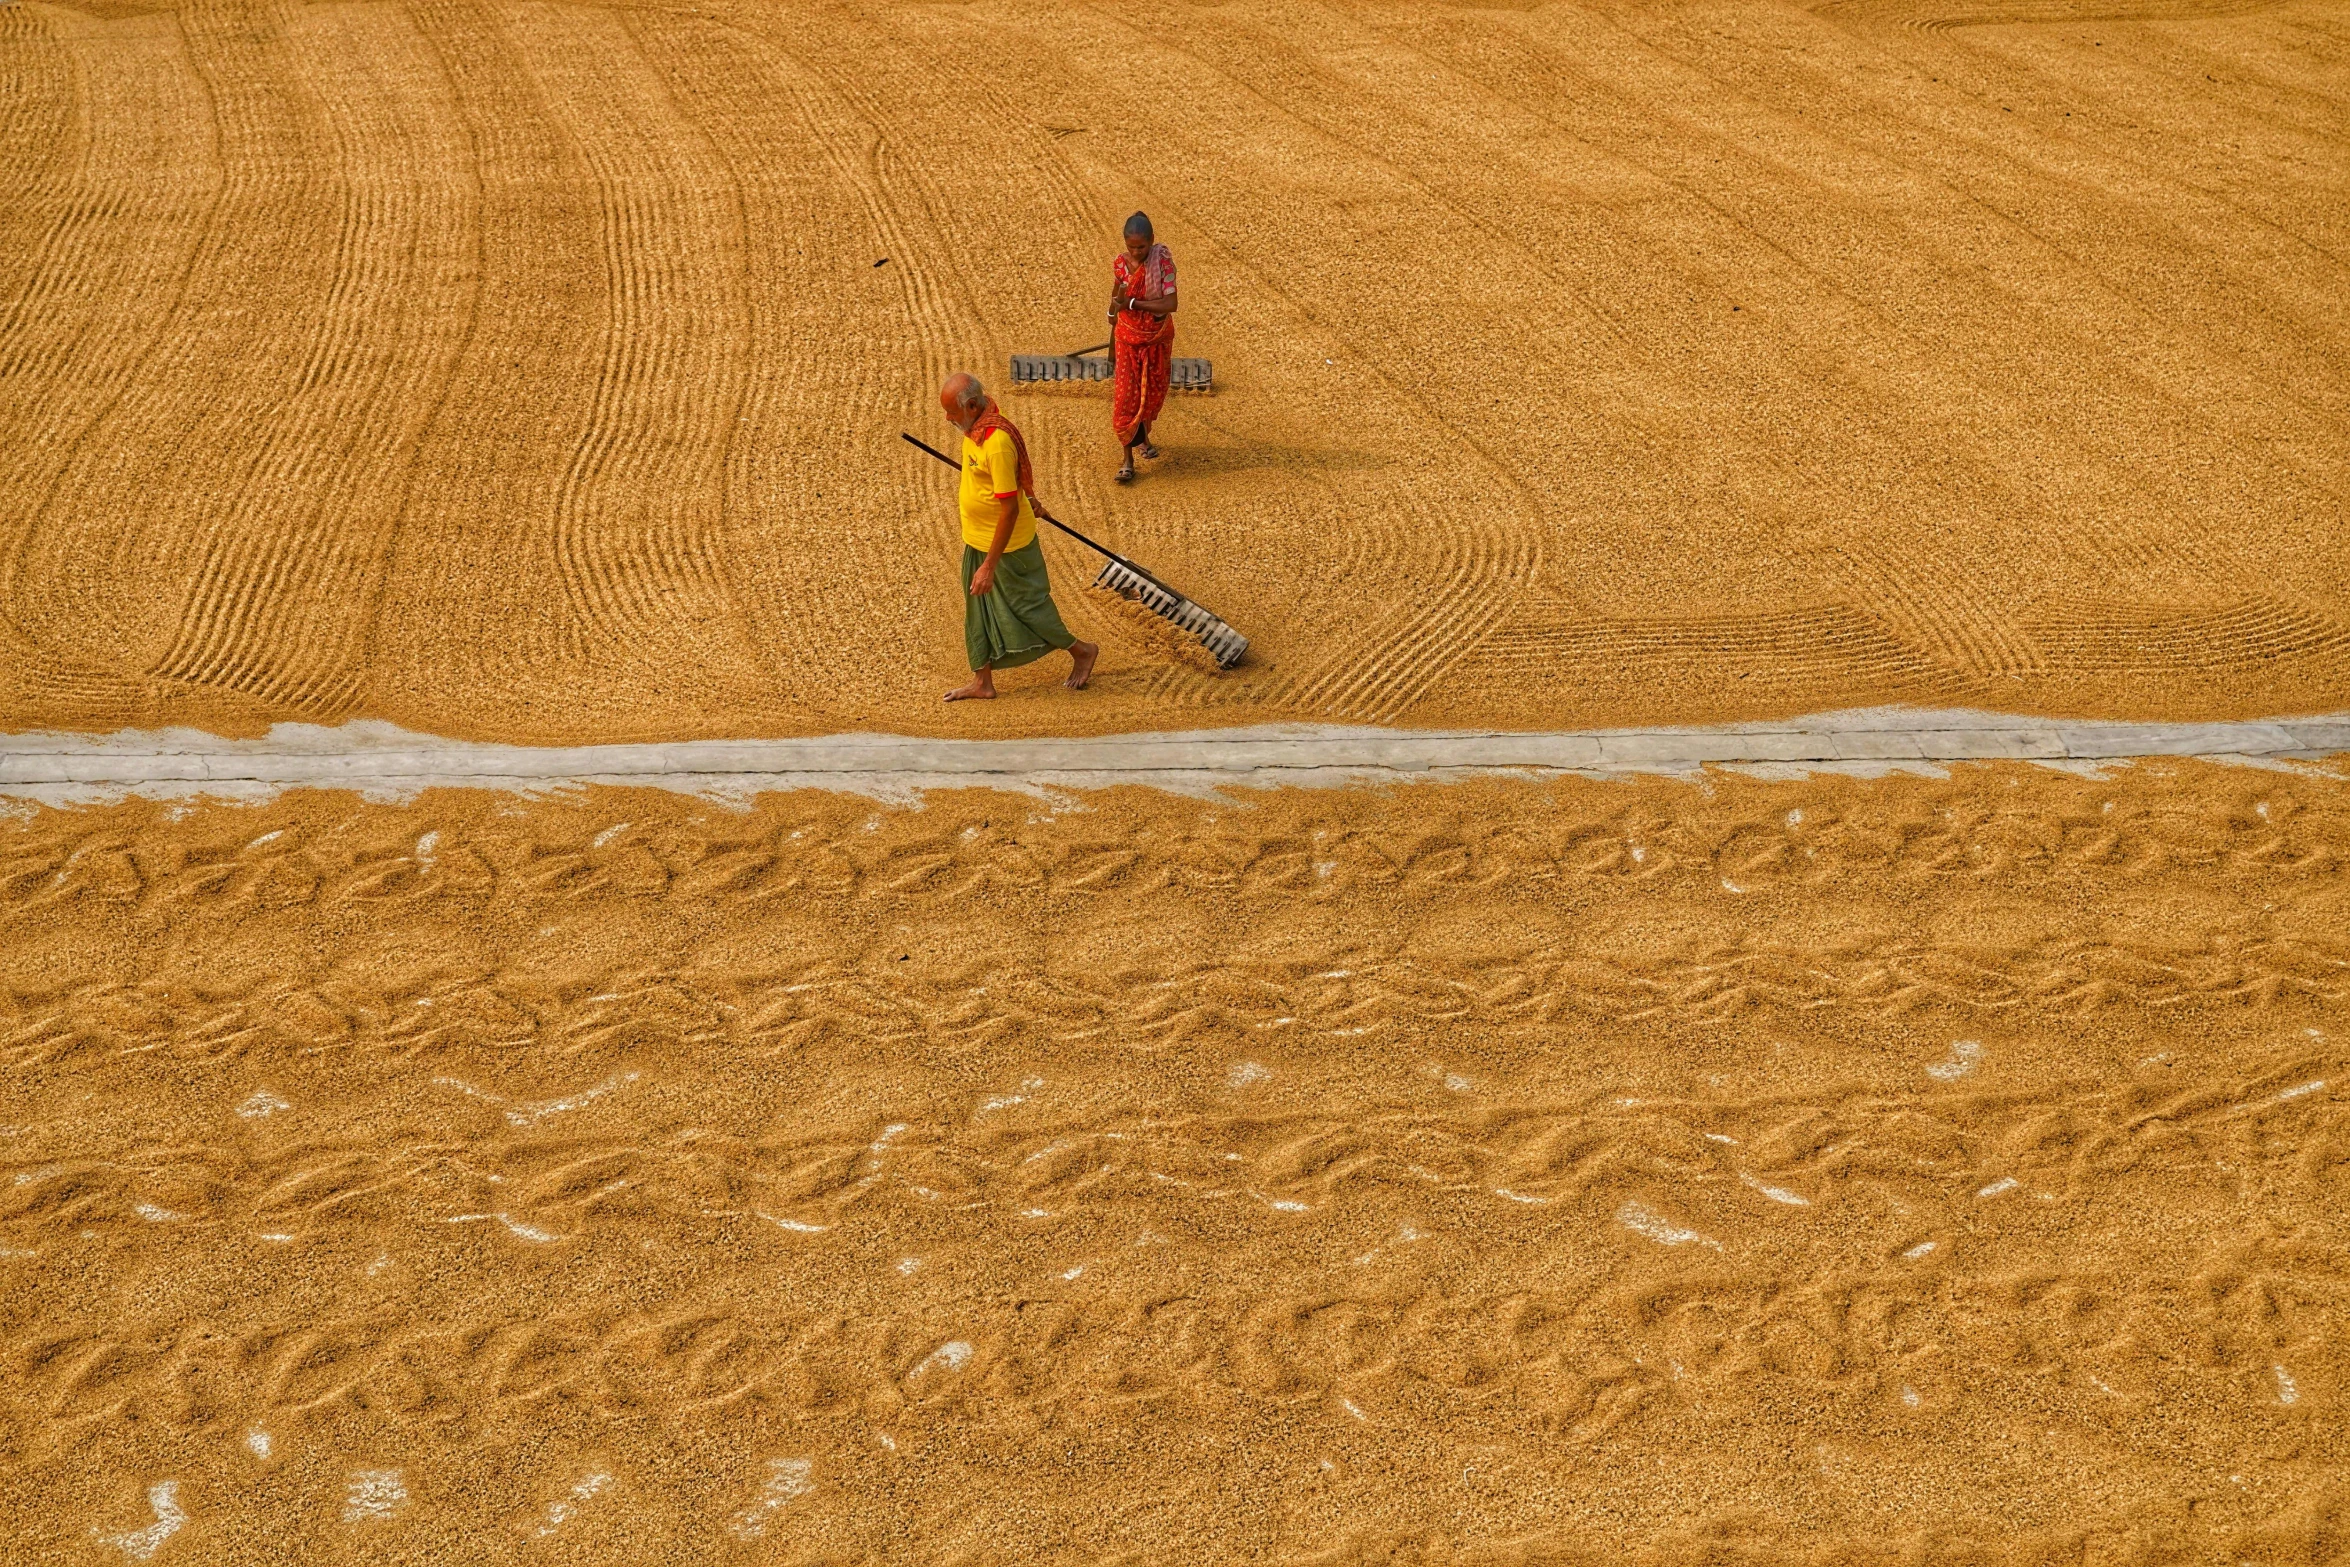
(1944, 1172)
(528, 371)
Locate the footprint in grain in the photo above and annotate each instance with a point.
(477, 1353)
(525, 1113)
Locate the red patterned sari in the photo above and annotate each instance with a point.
(1144, 343)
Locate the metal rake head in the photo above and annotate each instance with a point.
(1226, 644)
(1183, 375)
(1058, 367)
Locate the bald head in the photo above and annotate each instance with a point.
(963, 398)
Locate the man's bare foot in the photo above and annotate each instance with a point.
(981, 688)
(1148, 450)
(1126, 470)
(1081, 657)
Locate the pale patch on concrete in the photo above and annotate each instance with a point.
(140, 1544)
(1777, 1193)
(563, 1509)
(373, 1495)
(787, 1480)
(385, 762)
(516, 1227)
(1645, 1221)
(1964, 1055)
(1006, 1101)
(796, 1226)
(953, 1355)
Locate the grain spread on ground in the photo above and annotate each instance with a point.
(1150, 632)
(1930, 1171)
(534, 372)
(1729, 1172)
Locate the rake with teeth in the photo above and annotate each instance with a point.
(1124, 578)
(1183, 375)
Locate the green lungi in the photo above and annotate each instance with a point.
(1013, 623)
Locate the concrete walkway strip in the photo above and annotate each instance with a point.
(381, 759)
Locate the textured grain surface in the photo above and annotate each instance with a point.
(523, 371)
(1734, 1172)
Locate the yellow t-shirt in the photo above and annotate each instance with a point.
(990, 473)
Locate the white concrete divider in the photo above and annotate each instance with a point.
(381, 759)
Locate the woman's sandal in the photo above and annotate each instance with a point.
(1148, 450)
(1126, 474)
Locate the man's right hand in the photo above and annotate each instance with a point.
(983, 579)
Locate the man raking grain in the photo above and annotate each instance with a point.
(1008, 613)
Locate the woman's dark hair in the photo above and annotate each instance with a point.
(1139, 227)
